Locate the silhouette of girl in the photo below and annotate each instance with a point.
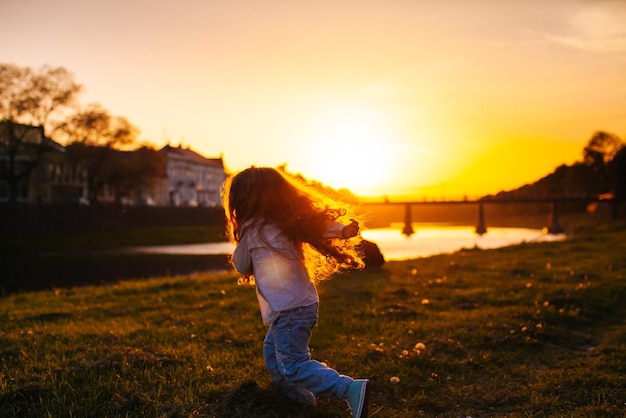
(287, 238)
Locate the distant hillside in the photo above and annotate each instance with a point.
(602, 171)
(578, 180)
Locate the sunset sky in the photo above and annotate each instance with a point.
(386, 97)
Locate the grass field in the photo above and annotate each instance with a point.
(535, 330)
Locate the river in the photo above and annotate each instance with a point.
(428, 239)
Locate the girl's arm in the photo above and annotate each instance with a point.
(242, 261)
(350, 230)
(339, 230)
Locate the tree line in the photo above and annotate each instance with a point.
(104, 146)
(601, 172)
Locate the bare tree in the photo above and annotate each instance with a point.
(94, 126)
(36, 98)
(93, 137)
(131, 174)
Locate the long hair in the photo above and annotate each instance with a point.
(264, 195)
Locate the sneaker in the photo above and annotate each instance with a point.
(357, 397)
(300, 395)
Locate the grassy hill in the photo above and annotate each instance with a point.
(531, 330)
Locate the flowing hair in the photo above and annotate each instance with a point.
(263, 195)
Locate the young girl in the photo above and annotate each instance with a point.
(286, 238)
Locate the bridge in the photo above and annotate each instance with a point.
(481, 226)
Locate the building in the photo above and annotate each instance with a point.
(33, 168)
(190, 179)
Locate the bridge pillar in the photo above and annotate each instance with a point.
(553, 220)
(408, 221)
(481, 228)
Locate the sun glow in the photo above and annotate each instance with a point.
(352, 148)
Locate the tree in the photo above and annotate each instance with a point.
(37, 98)
(618, 176)
(601, 149)
(598, 155)
(31, 104)
(93, 137)
(130, 173)
(94, 126)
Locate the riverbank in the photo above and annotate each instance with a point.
(46, 261)
(54, 269)
(67, 270)
(531, 330)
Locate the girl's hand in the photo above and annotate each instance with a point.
(350, 230)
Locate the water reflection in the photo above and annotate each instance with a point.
(430, 239)
(427, 240)
(186, 249)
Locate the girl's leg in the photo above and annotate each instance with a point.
(291, 334)
(300, 395)
(269, 355)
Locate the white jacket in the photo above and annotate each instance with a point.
(282, 281)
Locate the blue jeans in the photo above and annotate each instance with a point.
(288, 358)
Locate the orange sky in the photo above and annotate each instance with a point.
(386, 97)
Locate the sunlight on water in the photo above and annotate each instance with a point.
(429, 240)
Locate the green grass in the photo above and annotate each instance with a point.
(535, 330)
